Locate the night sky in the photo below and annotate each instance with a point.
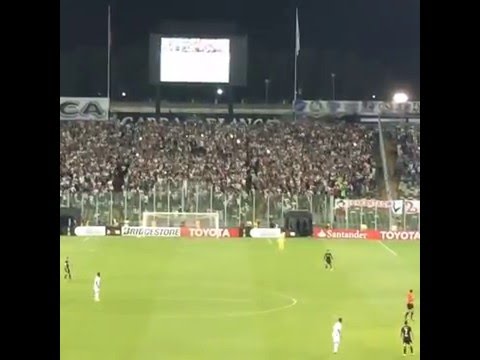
(373, 46)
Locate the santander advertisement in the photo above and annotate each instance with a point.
(320, 233)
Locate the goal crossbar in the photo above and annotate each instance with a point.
(208, 220)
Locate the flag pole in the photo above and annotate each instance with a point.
(296, 56)
(109, 56)
(295, 81)
(297, 51)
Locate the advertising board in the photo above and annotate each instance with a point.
(90, 231)
(265, 232)
(84, 108)
(150, 231)
(180, 232)
(211, 233)
(320, 233)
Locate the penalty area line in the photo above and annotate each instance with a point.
(388, 248)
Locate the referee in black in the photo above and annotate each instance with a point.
(328, 258)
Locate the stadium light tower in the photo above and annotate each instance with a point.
(218, 94)
(400, 98)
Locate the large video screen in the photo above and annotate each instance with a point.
(194, 60)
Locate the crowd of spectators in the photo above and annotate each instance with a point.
(408, 143)
(292, 158)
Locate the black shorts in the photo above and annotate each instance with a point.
(407, 341)
(328, 261)
(67, 270)
(410, 306)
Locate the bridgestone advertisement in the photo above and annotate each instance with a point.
(150, 231)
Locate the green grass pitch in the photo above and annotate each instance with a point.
(191, 299)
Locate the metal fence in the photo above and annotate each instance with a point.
(234, 207)
(375, 218)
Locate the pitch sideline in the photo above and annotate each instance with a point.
(388, 248)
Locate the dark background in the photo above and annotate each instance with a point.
(373, 46)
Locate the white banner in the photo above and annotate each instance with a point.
(321, 108)
(265, 232)
(366, 203)
(84, 108)
(90, 231)
(150, 231)
(398, 207)
(412, 206)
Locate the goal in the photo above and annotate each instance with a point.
(178, 219)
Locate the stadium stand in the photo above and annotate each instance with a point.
(102, 161)
(292, 158)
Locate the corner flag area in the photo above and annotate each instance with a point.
(217, 299)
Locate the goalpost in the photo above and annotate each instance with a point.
(209, 220)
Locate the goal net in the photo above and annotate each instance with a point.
(172, 219)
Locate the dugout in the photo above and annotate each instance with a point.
(69, 218)
(300, 222)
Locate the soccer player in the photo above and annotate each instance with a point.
(410, 305)
(67, 269)
(406, 334)
(336, 335)
(96, 288)
(281, 241)
(328, 258)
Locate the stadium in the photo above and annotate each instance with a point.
(208, 220)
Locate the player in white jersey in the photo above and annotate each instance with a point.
(336, 335)
(96, 288)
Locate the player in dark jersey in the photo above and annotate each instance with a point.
(406, 334)
(328, 258)
(67, 269)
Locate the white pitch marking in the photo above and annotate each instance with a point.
(87, 238)
(388, 248)
(292, 303)
(234, 314)
(203, 299)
